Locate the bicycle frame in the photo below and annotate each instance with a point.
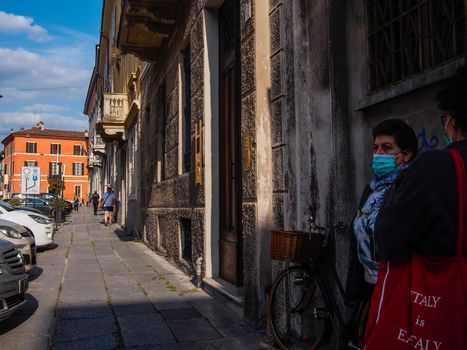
(325, 269)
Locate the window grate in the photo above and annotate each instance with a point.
(408, 37)
(228, 27)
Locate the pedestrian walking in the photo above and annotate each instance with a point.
(421, 234)
(107, 203)
(95, 201)
(76, 204)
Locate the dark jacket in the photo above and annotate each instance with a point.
(421, 213)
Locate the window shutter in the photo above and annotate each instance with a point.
(36, 163)
(59, 149)
(82, 169)
(50, 169)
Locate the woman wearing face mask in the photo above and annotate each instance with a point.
(394, 147)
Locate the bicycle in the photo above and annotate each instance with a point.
(301, 304)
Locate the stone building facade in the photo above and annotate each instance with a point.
(254, 113)
(113, 105)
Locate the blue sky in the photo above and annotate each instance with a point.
(47, 53)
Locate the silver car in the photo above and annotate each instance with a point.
(23, 240)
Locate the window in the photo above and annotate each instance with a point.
(186, 104)
(77, 191)
(31, 147)
(12, 168)
(162, 112)
(55, 148)
(30, 163)
(78, 169)
(77, 150)
(408, 37)
(55, 169)
(5, 169)
(185, 239)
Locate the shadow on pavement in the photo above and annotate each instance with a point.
(172, 325)
(124, 235)
(35, 273)
(49, 247)
(21, 315)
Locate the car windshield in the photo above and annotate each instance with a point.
(6, 206)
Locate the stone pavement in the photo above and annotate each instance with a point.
(99, 289)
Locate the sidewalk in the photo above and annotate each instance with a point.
(99, 289)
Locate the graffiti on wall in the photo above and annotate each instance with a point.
(427, 142)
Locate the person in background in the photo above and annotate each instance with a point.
(394, 147)
(107, 203)
(76, 204)
(95, 201)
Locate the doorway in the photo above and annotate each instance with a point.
(230, 240)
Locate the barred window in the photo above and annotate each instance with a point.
(31, 147)
(408, 37)
(78, 169)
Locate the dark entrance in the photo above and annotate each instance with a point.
(230, 240)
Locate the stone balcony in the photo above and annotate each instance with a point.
(144, 25)
(115, 111)
(94, 161)
(99, 148)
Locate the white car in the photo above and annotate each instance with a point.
(40, 225)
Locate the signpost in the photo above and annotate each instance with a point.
(30, 180)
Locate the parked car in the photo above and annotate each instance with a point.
(44, 196)
(13, 279)
(23, 240)
(39, 204)
(32, 210)
(40, 225)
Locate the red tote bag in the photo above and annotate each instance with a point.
(422, 304)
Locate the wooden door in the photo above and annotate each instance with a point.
(230, 242)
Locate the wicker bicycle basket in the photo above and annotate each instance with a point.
(295, 246)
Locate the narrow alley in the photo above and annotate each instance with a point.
(100, 289)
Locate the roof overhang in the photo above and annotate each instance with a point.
(144, 25)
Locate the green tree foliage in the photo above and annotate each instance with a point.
(56, 186)
(15, 201)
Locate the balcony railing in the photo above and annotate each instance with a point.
(115, 112)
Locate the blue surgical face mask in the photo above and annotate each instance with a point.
(446, 137)
(384, 164)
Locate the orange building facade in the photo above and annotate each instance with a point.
(55, 152)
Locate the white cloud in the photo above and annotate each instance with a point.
(14, 24)
(45, 108)
(22, 69)
(27, 119)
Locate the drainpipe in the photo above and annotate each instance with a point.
(199, 277)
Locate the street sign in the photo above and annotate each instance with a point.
(30, 179)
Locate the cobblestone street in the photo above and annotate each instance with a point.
(100, 289)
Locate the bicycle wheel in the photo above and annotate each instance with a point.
(298, 313)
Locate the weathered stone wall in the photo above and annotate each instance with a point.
(176, 196)
(249, 182)
(412, 100)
